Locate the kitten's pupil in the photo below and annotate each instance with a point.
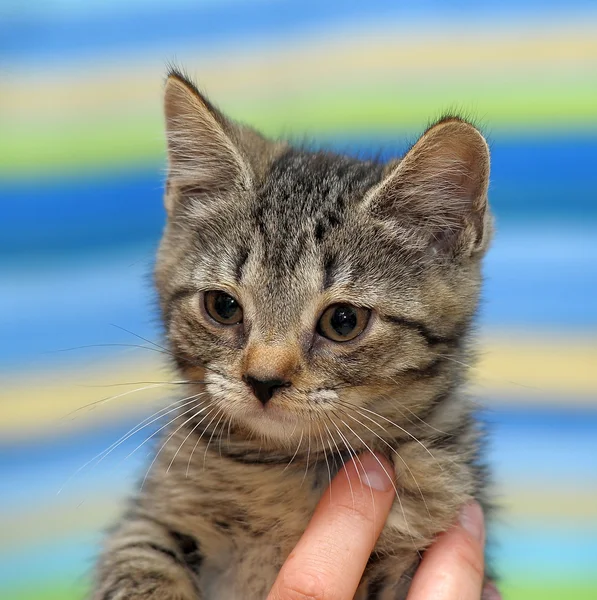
(226, 306)
(344, 320)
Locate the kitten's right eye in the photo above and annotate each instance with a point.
(223, 308)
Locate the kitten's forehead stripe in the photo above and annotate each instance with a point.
(329, 270)
(305, 197)
(242, 257)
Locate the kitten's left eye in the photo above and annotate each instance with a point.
(223, 308)
(343, 322)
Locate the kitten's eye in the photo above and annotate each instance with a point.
(223, 308)
(342, 322)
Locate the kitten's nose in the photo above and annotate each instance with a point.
(264, 390)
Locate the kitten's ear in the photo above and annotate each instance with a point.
(208, 155)
(440, 189)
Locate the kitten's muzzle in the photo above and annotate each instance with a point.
(265, 389)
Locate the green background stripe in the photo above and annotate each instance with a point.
(500, 107)
(510, 591)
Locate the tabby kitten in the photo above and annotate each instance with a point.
(318, 305)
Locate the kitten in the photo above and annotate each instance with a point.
(318, 305)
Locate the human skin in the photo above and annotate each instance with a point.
(329, 559)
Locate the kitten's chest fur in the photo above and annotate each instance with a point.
(247, 511)
(250, 507)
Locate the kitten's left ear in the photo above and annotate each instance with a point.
(439, 189)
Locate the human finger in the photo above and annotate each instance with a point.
(329, 559)
(453, 567)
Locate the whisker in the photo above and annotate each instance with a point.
(422, 421)
(126, 436)
(86, 346)
(340, 455)
(229, 426)
(226, 420)
(298, 446)
(156, 417)
(198, 440)
(161, 429)
(110, 398)
(405, 431)
(486, 373)
(391, 478)
(308, 452)
(350, 453)
(326, 462)
(164, 349)
(141, 338)
(181, 444)
(412, 436)
(414, 414)
(212, 433)
(122, 384)
(357, 459)
(168, 439)
(394, 451)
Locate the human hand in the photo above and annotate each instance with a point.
(329, 559)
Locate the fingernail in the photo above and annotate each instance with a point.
(471, 519)
(373, 474)
(490, 592)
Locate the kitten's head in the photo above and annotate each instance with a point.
(307, 288)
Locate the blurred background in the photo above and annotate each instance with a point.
(81, 181)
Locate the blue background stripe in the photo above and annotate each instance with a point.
(169, 25)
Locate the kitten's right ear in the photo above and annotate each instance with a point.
(202, 158)
(438, 191)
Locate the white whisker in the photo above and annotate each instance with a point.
(145, 423)
(326, 462)
(181, 445)
(212, 433)
(394, 451)
(162, 428)
(110, 398)
(298, 446)
(340, 456)
(197, 441)
(168, 439)
(405, 431)
(122, 384)
(185, 402)
(229, 420)
(391, 478)
(357, 459)
(308, 452)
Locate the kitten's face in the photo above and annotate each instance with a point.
(294, 287)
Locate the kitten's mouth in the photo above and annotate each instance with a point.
(273, 421)
(271, 411)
